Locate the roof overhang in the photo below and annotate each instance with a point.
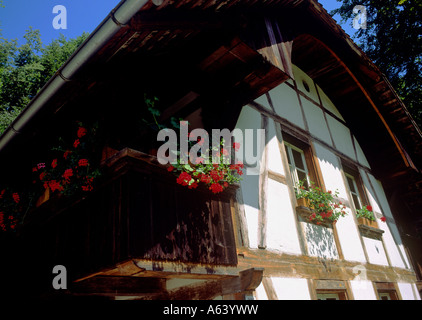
(218, 58)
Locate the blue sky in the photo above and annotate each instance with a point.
(82, 15)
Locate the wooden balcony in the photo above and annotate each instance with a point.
(139, 213)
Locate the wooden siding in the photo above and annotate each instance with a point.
(141, 213)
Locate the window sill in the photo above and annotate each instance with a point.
(369, 229)
(303, 211)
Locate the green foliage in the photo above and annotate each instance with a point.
(365, 212)
(393, 40)
(322, 204)
(26, 68)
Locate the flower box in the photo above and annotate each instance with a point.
(43, 198)
(303, 202)
(305, 211)
(367, 222)
(369, 228)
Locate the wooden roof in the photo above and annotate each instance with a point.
(195, 48)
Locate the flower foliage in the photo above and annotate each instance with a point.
(368, 213)
(72, 171)
(12, 207)
(365, 212)
(215, 171)
(323, 204)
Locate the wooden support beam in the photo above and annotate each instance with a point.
(155, 287)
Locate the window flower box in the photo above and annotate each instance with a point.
(317, 206)
(367, 222)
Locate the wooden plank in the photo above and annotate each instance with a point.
(118, 285)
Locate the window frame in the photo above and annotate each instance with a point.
(293, 168)
(340, 294)
(308, 155)
(353, 173)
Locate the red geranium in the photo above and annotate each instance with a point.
(216, 188)
(68, 173)
(184, 179)
(76, 143)
(83, 162)
(81, 132)
(16, 197)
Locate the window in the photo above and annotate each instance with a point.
(353, 190)
(297, 164)
(301, 161)
(386, 291)
(331, 295)
(355, 187)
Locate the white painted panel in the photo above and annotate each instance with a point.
(263, 101)
(291, 288)
(282, 234)
(363, 290)
(260, 293)
(347, 231)
(361, 156)
(408, 291)
(250, 192)
(286, 104)
(391, 235)
(349, 238)
(327, 104)
(274, 156)
(250, 119)
(300, 78)
(342, 138)
(330, 169)
(316, 121)
(320, 241)
(375, 251)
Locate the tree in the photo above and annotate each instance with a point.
(25, 69)
(393, 40)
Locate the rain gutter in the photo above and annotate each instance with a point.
(116, 19)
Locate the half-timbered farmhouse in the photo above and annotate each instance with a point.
(330, 117)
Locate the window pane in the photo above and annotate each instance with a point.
(351, 184)
(356, 201)
(288, 154)
(298, 159)
(302, 176)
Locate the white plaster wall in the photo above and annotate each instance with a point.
(330, 169)
(301, 76)
(375, 251)
(286, 104)
(327, 104)
(250, 119)
(363, 290)
(291, 288)
(348, 235)
(341, 136)
(316, 121)
(320, 241)
(408, 291)
(360, 155)
(274, 162)
(347, 230)
(391, 236)
(263, 101)
(260, 293)
(282, 233)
